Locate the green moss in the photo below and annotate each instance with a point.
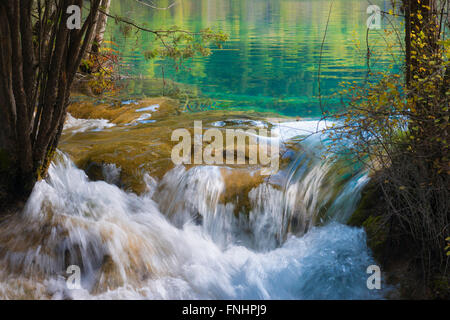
(376, 235)
(394, 250)
(42, 170)
(367, 215)
(369, 199)
(441, 287)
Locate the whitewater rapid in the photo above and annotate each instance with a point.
(127, 248)
(181, 240)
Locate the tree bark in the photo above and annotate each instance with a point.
(101, 26)
(427, 81)
(39, 57)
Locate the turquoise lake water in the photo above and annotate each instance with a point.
(271, 61)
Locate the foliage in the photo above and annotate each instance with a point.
(174, 42)
(399, 128)
(101, 70)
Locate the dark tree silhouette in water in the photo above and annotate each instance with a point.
(39, 57)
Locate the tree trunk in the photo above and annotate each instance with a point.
(407, 10)
(101, 26)
(39, 57)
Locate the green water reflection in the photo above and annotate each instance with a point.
(271, 60)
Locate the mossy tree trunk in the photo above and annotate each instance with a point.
(39, 57)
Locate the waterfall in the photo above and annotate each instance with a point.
(189, 236)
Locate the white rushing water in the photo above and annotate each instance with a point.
(75, 125)
(182, 240)
(127, 248)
